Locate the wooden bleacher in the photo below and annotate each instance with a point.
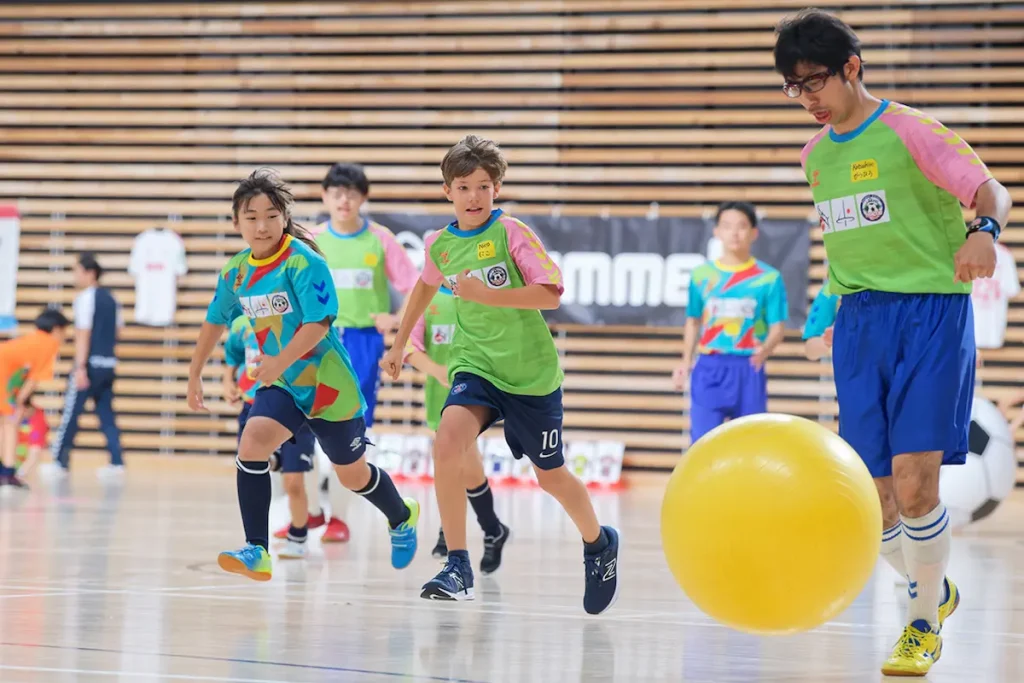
(117, 117)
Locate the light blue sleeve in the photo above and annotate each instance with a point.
(822, 314)
(314, 289)
(223, 309)
(778, 305)
(694, 301)
(234, 348)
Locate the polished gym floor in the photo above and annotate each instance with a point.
(118, 582)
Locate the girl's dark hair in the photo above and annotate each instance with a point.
(348, 176)
(88, 261)
(51, 318)
(746, 208)
(813, 36)
(266, 181)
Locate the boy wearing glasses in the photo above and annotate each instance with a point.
(888, 182)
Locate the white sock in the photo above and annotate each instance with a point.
(926, 547)
(337, 495)
(311, 481)
(892, 548)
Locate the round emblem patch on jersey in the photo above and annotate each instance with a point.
(497, 276)
(872, 207)
(280, 303)
(371, 260)
(364, 279)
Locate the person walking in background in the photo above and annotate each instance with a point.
(97, 321)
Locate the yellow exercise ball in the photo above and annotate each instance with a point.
(771, 524)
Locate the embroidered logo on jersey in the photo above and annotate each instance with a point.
(442, 334)
(238, 280)
(280, 303)
(257, 306)
(731, 308)
(352, 278)
(815, 181)
(872, 207)
(496, 276)
(444, 258)
(371, 260)
(863, 170)
(485, 250)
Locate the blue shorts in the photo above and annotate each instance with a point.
(904, 372)
(343, 442)
(365, 346)
(533, 424)
(296, 454)
(724, 386)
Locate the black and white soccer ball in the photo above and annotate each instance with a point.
(973, 491)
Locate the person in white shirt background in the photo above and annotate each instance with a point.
(157, 261)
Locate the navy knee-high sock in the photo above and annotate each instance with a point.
(381, 491)
(253, 481)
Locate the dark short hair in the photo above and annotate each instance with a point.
(50, 319)
(470, 153)
(88, 261)
(746, 208)
(348, 176)
(813, 36)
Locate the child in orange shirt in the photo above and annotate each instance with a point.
(24, 362)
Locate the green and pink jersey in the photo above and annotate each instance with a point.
(888, 196)
(510, 348)
(362, 264)
(432, 335)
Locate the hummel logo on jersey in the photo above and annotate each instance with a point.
(609, 570)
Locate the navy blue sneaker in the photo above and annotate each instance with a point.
(602, 575)
(454, 582)
(493, 546)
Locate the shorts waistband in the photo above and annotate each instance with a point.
(869, 298)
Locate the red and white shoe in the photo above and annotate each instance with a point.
(314, 522)
(337, 532)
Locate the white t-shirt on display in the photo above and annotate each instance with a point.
(157, 261)
(991, 298)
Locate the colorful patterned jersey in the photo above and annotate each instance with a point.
(511, 348)
(280, 294)
(361, 266)
(433, 336)
(888, 196)
(823, 312)
(240, 348)
(736, 305)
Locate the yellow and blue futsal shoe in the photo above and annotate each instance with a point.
(252, 561)
(403, 539)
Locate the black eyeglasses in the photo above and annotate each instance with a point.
(812, 83)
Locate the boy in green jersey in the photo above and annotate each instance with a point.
(427, 351)
(502, 365)
(888, 182)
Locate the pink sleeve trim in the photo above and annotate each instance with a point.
(399, 267)
(431, 274)
(529, 255)
(417, 339)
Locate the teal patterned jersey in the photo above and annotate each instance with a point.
(280, 294)
(823, 312)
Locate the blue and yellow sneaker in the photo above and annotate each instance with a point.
(950, 603)
(252, 561)
(403, 539)
(914, 653)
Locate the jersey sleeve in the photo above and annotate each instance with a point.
(222, 308)
(530, 257)
(314, 288)
(431, 274)
(84, 308)
(694, 300)
(822, 314)
(778, 305)
(181, 260)
(398, 266)
(417, 339)
(135, 266)
(234, 347)
(942, 156)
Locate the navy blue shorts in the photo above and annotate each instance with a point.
(343, 442)
(296, 454)
(904, 372)
(365, 346)
(533, 424)
(724, 386)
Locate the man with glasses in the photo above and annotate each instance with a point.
(888, 182)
